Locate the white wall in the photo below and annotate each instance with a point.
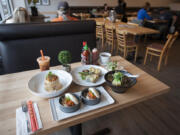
(154, 3)
(18, 3)
(54, 4)
(175, 6)
(130, 3)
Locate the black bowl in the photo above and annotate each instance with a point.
(90, 101)
(120, 89)
(71, 108)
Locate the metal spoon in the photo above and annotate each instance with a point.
(129, 75)
(25, 110)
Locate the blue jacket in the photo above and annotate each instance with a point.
(142, 14)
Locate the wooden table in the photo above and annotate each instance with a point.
(83, 16)
(156, 21)
(14, 90)
(101, 14)
(135, 30)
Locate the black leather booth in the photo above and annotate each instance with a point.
(20, 44)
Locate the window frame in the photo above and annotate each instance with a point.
(9, 8)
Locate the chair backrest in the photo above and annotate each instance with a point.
(121, 37)
(99, 29)
(175, 35)
(169, 39)
(109, 32)
(20, 43)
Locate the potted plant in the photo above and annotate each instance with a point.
(64, 58)
(34, 10)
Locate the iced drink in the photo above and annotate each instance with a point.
(44, 64)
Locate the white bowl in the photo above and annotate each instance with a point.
(36, 83)
(77, 78)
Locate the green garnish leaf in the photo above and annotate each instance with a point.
(50, 73)
(68, 98)
(117, 78)
(83, 75)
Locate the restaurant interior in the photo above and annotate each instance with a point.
(89, 67)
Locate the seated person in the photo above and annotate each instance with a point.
(64, 13)
(94, 11)
(165, 15)
(121, 8)
(142, 13)
(164, 27)
(20, 15)
(105, 7)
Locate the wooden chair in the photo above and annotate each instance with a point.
(170, 45)
(100, 32)
(124, 45)
(161, 51)
(110, 35)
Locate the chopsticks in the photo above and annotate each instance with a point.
(32, 114)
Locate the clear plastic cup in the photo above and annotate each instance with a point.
(44, 64)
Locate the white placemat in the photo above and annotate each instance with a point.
(58, 115)
(21, 124)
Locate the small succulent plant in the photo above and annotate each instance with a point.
(64, 57)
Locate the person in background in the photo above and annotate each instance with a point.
(124, 18)
(174, 24)
(64, 13)
(20, 15)
(166, 16)
(105, 10)
(105, 7)
(121, 8)
(142, 13)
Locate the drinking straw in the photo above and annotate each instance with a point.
(42, 55)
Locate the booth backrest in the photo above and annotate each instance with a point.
(20, 44)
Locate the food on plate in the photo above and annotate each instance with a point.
(91, 96)
(92, 93)
(92, 74)
(51, 82)
(69, 100)
(118, 79)
(111, 66)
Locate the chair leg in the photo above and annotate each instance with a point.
(145, 56)
(159, 63)
(151, 58)
(117, 50)
(145, 38)
(125, 53)
(136, 53)
(112, 48)
(166, 60)
(102, 45)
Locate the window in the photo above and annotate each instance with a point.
(5, 10)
